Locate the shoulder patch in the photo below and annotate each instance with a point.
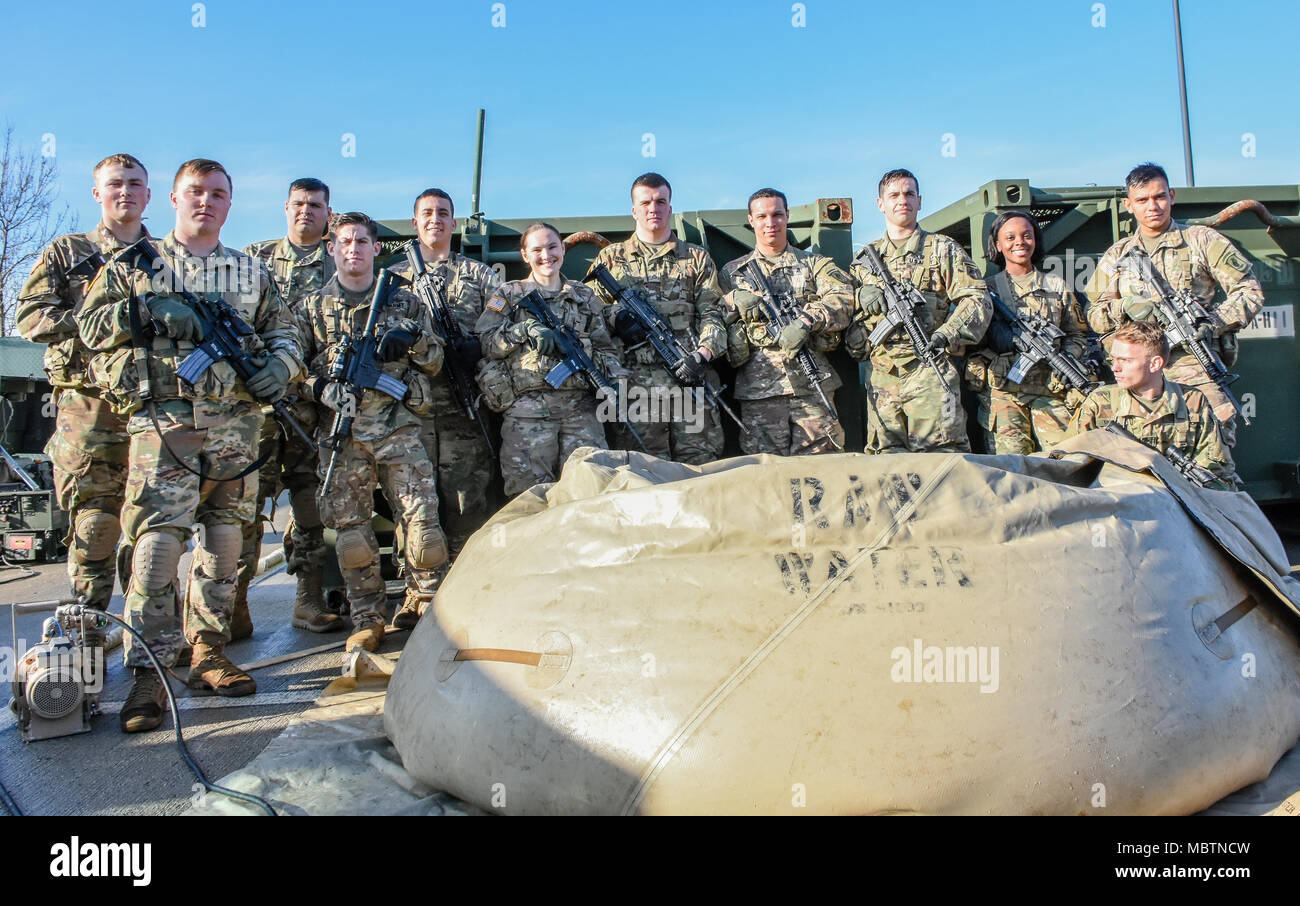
(497, 303)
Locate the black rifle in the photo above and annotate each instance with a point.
(1189, 468)
(901, 299)
(1039, 340)
(780, 314)
(1180, 315)
(223, 333)
(576, 360)
(462, 384)
(659, 334)
(354, 367)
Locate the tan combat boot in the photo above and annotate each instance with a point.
(408, 615)
(309, 611)
(367, 634)
(213, 670)
(143, 709)
(241, 621)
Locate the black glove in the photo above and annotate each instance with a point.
(178, 320)
(545, 341)
(271, 380)
(690, 369)
(871, 299)
(938, 342)
(628, 329)
(398, 340)
(1000, 338)
(467, 351)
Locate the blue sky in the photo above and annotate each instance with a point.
(737, 96)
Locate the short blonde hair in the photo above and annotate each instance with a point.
(1147, 334)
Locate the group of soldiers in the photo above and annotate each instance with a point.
(160, 436)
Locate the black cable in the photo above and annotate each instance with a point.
(9, 802)
(176, 718)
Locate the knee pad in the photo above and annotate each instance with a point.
(426, 545)
(220, 548)
(96, 534)
(356, 547)
(154, 561)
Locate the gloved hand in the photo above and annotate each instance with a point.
(1205, 332)
(467, 351)
(397, 340)
(746, 303)
(690, 369)
(335, 395)
(938, 342)
(178, 320)
(544, 340)
(871, 299)
(1000, 337)
(1139, 308)
(272, 378)
(793, 336)
(627, 329)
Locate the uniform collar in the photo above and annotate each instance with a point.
(910, 246)
(1169, 403)
(284, 251)
(1171, 238)
(789, 256)
(110, 243)
(173, 247)
(671, 246)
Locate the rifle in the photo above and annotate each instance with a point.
(19, 472)
(223, 334)
(355, 368)
(462, 384)
(1036, 340)
(901, 299)
(1189, 468)
(777, 310)
(659, 334)
(575, 358)
(1180, 314)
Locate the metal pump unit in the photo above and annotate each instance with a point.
(56, 682)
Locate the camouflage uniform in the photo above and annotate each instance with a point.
(212, 427)
(384, 446)
(1034, 413)
(455, 444)
(89, 445)
(289, 463)
(908, 409)
(543, 425)
(1180, 417)
(1193, 259)
(681, 282)
(783, 412)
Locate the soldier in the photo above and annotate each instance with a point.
(681, 282)
(779, 405)
(542, 425)
(89, 447)
(455, 444)
(298, 264)
(384, 445)
(1194, 259)
(1159, 412)
(909, 409)
(191, 445)
(1033, 413)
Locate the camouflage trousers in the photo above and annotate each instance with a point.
(1021, 423)
(1184, 369)
(89, 453)
(457, 449)
(400, 466)
(789, 426)
(675, 422)
(292, 466)
(540, 430)
(909, 411)
(163, 496)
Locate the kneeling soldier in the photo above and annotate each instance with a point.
(383, 444)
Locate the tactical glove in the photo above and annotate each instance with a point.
(272, 378)
(1139, 308)
(1000, 337)
(335, 395)
(628, 329)
(467, 351)
(871, 299)
(544, 340)
(178, 320)
(938, 342)
(746, 303)
(1205, 332)
(398, 340)
(793, 336)
(690, 369)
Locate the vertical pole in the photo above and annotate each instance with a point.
(1182, 96)
(478, 158)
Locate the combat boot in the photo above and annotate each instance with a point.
(212, 670)
(367, 634)
(143, 709)
(241, 621)
(408, 615)
(309, 610)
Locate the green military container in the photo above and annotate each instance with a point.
(1080, 223)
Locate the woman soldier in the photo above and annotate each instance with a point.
(1033, 413)
(542, 424)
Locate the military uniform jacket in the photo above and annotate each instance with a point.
(326, 317)
(957, 304)
(1180, 417)
(53, 296)
(294, 275)
(812, 285)
(105, 325)
(1192, 258)
(681, 282)
(1045, 294)
(502, 330)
